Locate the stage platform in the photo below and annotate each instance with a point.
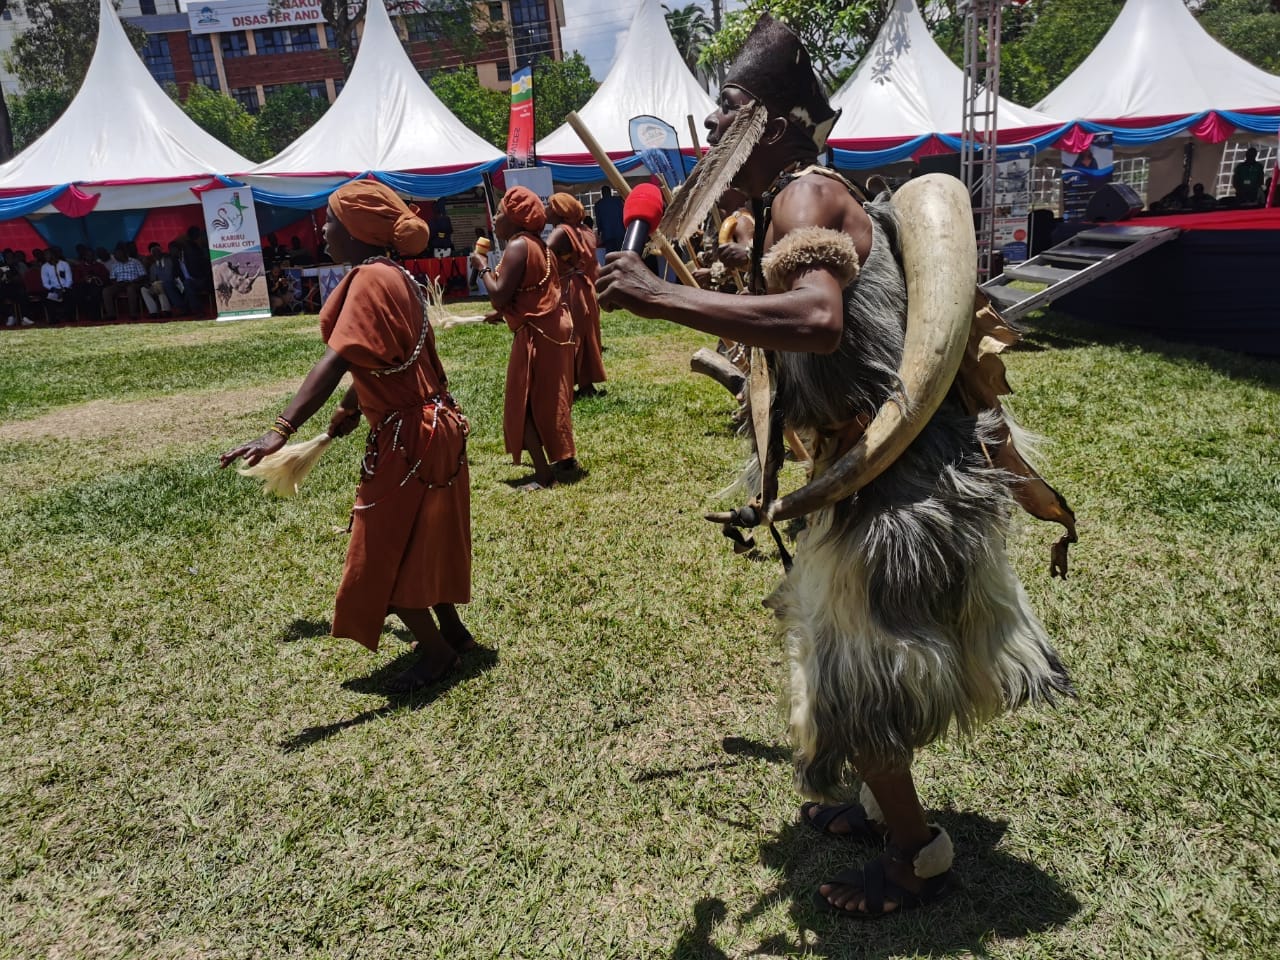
(1217, 284)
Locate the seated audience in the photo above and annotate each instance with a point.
(280, 290)
(1201, 200)
(299, 255)
(55, 277)
(128, 278)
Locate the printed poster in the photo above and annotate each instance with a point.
(235, 249)
(1083, 173)
(1013, 204)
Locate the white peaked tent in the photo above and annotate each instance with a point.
(647, 78)
(907, 88)
(385, 119)
(1157, 61)
(123, 129)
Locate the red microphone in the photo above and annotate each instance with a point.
(641, 213)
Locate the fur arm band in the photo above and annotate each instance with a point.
(807, 248)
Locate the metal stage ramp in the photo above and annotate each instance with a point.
(1071, 264)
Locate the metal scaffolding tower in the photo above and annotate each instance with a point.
(978, 132)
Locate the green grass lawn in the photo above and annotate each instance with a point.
(191, 767)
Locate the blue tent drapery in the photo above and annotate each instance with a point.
(13, 207)
(591, 173)
(414, 184)
(1123, 137)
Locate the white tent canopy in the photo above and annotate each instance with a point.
(647, 78)
(385, 119)
(908, 87)
(1157, 61)
(122, 127)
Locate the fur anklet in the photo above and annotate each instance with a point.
(936, 856)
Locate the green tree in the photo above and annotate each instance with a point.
(484, 111)
(7, 8)
(691, 29)
(223, 117)
(35, 112)
(50, 57)
(836, 32)
(559, 88)
(53, 53)
(1249, 28)
(1041, 46)
(287, 114)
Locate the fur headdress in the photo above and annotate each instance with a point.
(774, 69)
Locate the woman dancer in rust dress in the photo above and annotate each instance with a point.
(574, 246)
(524, 289)
(410, 549)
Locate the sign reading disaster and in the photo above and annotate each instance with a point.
(235, 248)
(220, 16)
(520, 128)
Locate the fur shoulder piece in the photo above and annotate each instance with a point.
(807, 248)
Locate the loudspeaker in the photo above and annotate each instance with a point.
(1113, 202)
(948, 163)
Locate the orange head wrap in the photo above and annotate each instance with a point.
(523, 208)
(567, 208)
(373, 213)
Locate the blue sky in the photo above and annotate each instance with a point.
(596, 27)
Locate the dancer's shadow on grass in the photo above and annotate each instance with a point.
(474, 663)
(303, 629)
(996, 895)
(740, 748)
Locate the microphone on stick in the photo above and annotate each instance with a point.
(641, 213)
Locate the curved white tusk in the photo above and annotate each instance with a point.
(939, 260)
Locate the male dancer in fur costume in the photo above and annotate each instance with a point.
(901, 615)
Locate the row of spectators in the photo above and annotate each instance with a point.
(94, 286)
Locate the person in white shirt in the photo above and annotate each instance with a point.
(55, 276)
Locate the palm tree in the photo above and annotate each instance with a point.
(691, 30)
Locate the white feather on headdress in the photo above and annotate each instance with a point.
(714, 172)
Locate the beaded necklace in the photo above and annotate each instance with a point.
(426, 323)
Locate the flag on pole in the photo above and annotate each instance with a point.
(656, 142)
(520, 128)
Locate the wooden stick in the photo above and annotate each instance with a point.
(615, 177)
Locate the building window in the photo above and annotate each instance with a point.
(202, 60)
(504, 71)
(495, 12)
(234, 45)
(530, 30)
(314, 88)
(247, 97)
(148, 7)
(281, 40)
(338, 84)
(421, 28)
(157, 58)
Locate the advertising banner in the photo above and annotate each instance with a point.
(1013, 204)
(235, 248)
(1083, 173)
(520, 127)
(221, 16)
(659, 148)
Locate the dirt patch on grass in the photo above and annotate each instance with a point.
(177, 417)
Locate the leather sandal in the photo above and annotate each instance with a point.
(865, 822)
(931, 863)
